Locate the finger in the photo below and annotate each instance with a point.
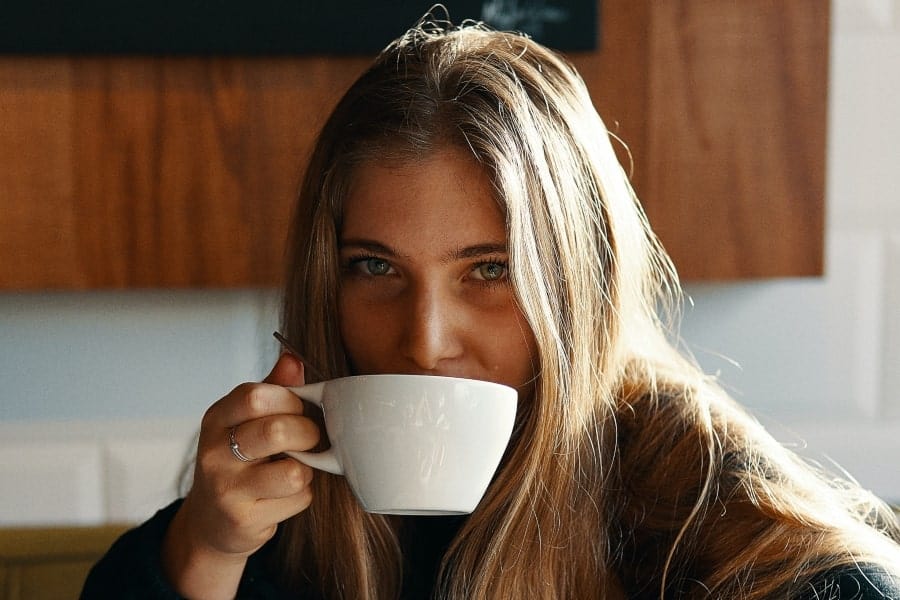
(287, 371)
(271, 435)
(250, 401)
(280, 478)
(276, 510)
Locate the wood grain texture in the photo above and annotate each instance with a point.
(155, 172)
(616, 78)
(736, 139)
(135, 172)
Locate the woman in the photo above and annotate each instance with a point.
(464, 214)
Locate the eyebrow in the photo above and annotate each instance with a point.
(476, 251)
(459, 253)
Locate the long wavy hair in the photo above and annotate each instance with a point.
(631, 473)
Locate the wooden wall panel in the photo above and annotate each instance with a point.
(736, 138)
(154, 172)
(37, 204)
(129, 172)
(616, 77)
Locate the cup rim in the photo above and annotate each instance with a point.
(422, 376)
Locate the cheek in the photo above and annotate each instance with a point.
(529, 367)
(353, 333)
(365, 338)
(514, 352)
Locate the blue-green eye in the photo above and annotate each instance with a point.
(376, 266)
(490, 271)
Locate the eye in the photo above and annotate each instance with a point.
(374, 266)
(490, 271)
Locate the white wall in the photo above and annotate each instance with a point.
(101, 393)
(821, 357)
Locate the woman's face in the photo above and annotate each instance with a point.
(424, 285)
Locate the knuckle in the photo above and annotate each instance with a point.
(312, 433)
(206, 461)
(234, 519)
(240, 517)
(267, 534)
(242, 388)
(308, 474)
(295, 477)
(209, 416)
(274, 432)
(255, 398)
(304, 498)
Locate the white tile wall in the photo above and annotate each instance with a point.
(863, 178)
(891, 346)
(854, 326)
(798, 348)
(822, 357)
(134, 354)
(144, 475)
(90, 472)
(866, 15)
(50, 482)
(864, 451)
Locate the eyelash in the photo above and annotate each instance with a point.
(351, 262)
(492, 282)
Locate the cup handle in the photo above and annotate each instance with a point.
(325, 460)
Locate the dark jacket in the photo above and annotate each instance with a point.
(131, 570)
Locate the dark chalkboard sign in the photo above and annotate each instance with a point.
(267, 27)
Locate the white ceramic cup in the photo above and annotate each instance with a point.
(412, 444)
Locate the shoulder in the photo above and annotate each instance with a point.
(131, 567)
(863, 582)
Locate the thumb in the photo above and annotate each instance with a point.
(288, 371)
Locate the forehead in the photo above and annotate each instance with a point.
(447, 192)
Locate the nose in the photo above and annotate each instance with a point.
(432, 330)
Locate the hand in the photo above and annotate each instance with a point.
(234, 507)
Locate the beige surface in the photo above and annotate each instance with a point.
(50, 563)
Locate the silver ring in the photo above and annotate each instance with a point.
(235, 448)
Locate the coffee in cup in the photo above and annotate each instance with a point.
(412, 444)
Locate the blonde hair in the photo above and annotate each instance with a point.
(629, 469)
